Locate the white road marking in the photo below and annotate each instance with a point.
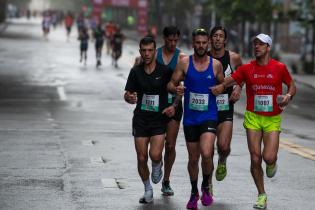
(97, 160)
(109, 183)
(61, 93)
(87, 143)
(294, 106)
(122, 183)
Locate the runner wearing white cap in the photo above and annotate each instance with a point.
(263, 78)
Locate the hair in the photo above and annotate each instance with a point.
(170, 30)
(147, 40)
(200, 31)
(218, 28)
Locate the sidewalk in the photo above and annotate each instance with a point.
(308, 80)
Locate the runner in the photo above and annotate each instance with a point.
(199, 72)
(146, 87)
(69, 23)
(117, 43)
(98, 34)
(46, 24)
(225, 101)
(110, 29)
(263, 78)
(169, 55)
(84, 41)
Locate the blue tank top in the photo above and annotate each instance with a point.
(172, 64)
(199, 103)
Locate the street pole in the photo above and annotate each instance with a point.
(313, 48)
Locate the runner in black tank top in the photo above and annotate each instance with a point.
(230, 60)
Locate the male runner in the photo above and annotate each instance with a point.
(146, 86)
(99, 35)
(117, 44)
(84, 43)
(225, 101)
(170, 55)
(263, 78)
(199, 73)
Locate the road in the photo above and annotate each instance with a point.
(65, 135)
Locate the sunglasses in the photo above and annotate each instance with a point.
(200, 31)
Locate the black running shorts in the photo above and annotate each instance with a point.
(145, 127)
(193, 132)
(225, 116)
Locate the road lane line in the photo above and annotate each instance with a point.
(109, 183)
(96, 160)
(61, 93)
(298, 149)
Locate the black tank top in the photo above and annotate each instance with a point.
(227, 71)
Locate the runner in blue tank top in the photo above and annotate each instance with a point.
(199, 73)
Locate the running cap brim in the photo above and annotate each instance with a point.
(264, 38)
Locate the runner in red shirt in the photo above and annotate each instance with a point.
(68, 23)
(263, 78)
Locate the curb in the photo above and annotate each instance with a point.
(304, 83)
(3, 26)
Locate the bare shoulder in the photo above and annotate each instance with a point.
(235, 59)
(216, 63)
(183, 62)
(138, 60)
(181, 55)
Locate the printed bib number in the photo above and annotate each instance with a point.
(170, 97)
(263, 103)
(150, 103)
(223, 102)
(198, 101)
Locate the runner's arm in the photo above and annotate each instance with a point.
(236, 61)
(130, 97)
(174, 85)
(218, 70)
(289, 95)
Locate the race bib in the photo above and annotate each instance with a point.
(150, 103)
(170, 97)
(198, 101)
(263, 103)
(223, 102)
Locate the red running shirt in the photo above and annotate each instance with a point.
(263, 84)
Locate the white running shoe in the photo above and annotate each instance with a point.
(147, 197)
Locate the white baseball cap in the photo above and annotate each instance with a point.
(264, 38)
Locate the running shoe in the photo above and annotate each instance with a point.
(221, 171)
(271, 170)
(166, 189)
(147, 197)
(193, 201)
(261, 202)
(157, 173)
(206, 198)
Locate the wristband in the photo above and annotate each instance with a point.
(288, 94)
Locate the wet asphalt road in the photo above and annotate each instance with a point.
(65, 140)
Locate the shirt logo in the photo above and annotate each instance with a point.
(259, 76)
(157, 78)
(269, 76)
(209, 76)
(228, 71)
